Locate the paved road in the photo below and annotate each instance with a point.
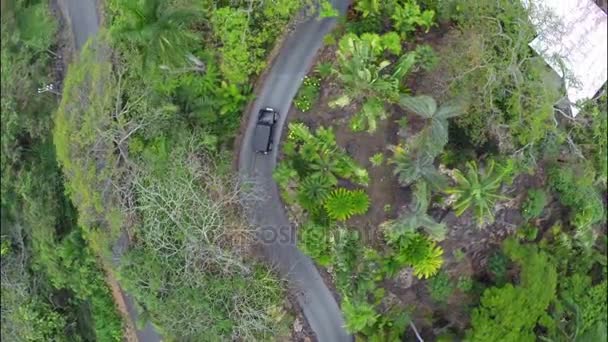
(280, 86)
(84, 22)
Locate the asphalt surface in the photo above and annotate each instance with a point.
(83, 20)
(279, 88)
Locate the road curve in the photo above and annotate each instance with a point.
(280, 86)
(81, 17)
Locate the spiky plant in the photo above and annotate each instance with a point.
(479, 190)
(430, 264)
(313, 190)
(413, 166)
(341, 204)
(377, 159)
(418, 251)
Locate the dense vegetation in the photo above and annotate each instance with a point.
(496, 230)
(467, 146)
(144, 133)
(52, 285)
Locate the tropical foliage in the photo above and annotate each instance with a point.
(53, 286)
(511, 313)
(479, 190)
(342, 204)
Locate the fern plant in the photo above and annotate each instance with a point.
(341, 204)
(359, 315)
(479, 190)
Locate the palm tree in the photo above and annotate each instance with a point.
(478, 189)
(416, 165)
(314, 190)
(341, 204)
(160, 35)
(417, 217)
(435, 136)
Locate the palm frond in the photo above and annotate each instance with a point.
(422, 105)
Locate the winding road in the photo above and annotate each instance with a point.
(278, 90)
(81, 17)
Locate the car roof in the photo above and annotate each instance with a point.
(261, 137)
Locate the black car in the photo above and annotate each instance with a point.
(262, 136)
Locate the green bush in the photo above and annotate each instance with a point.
(497, 265)
(426, 57)
(417, 251)
(536, 201)
(465, 283)
(527, 232)
(514, 312)
(590, 132)
(407, 17)
(377, 159)
(575, 190)
(440, 287)
(489, 47)
(308, 93)
(315, 241)
(359, 316)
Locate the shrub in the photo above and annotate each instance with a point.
(465, 283)
(314, 240)
(440, 287)
(497, 266)
(308, 93)
(324, 69)
(358, 315)
(341, 204)
(575, 189)
(534, 204)
(459, 254)
(426, 57)
(417, 251)
(527, 232)
(408, 16)
(377, 159)
(514, 312)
